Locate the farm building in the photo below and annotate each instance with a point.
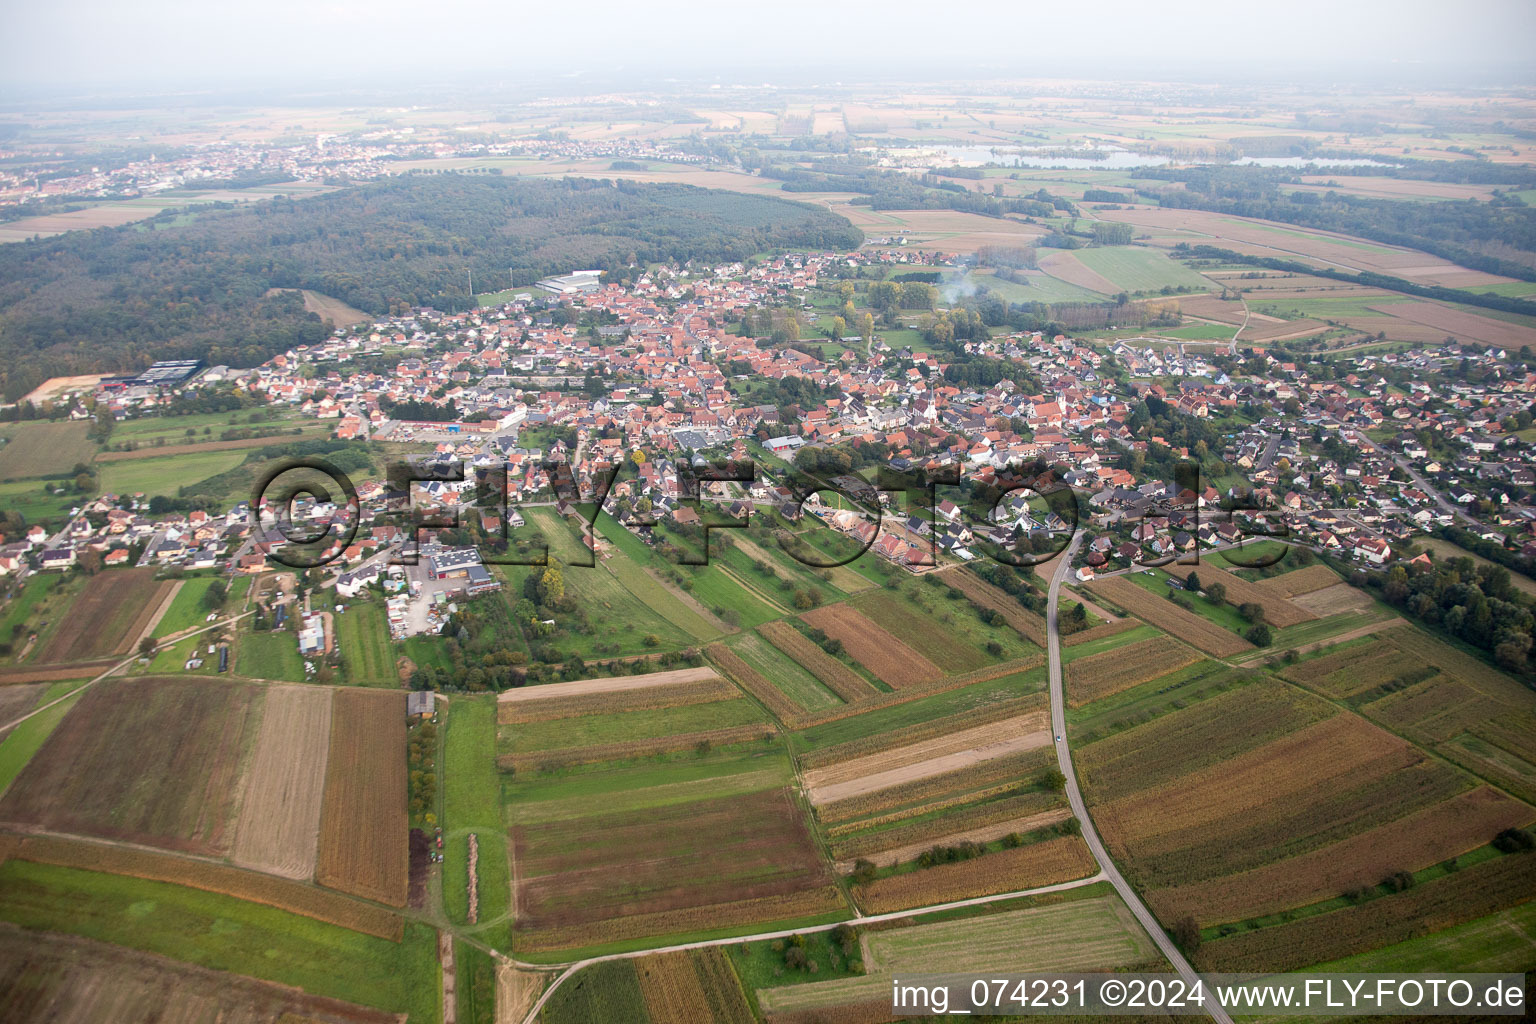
(420, 704)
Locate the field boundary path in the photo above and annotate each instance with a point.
(1107, 867)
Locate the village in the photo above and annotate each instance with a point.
(657, 380)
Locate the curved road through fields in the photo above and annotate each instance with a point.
(1075, 796)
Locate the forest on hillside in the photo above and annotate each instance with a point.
(196, 285)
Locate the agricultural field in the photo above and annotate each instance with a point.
(224, 933)
(785, 674)
(1136, 269)
(640, 721)
(951, 751)
(617, 876)
(362, 636)
(944, 630)
(604, 991)
(1169, 617)
(1278, 611)
(362, 849)
(271, 654)
(38, 449)
(1025, 867)
(1089, 934)
(19, 744)
(65, 977)
(891, 661)
(186, 610)
(472, 804)
(1096, 676)
(107, 618)
(692, 985)
(165, 474)
(191, 740)
(279, 822)
(847, 684)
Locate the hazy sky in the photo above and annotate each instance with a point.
(87, 45)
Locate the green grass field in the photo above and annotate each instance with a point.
(269, 655)
(658, 599)
(363, 637)
(783, 672)
(33, 594)
(146, 430)
(35, 500)
(227, 934)
(188, 609)
(41, 448)
(655, 783)
(165, 474)
(1135, 268)
(1200, 332)
(472, 803)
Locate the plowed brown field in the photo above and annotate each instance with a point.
(363, 841)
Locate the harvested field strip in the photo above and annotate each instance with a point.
(1520, 742)
(923, 632)
(886, 739)
(1024, 867)
(837, 677)
(811, 906)
(1100, 675)
(363, 841)
(948, 751)
(635, 748)
(892, 661)
(892, 855)
(1099, 632)
(1465, 895)
(188, 740)
(941, 765)
(643, 699)
(279, 821)
(606, 684)
(1320, 756)
(1335, 600)
(1212, 730)
(1278, 611)
(984, 778)
(1170, 618)
(1426, 837)
(295, 897)
(692, 985)
(1024, 621)
(754, 683)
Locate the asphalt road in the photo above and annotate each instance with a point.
(1075, 796)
